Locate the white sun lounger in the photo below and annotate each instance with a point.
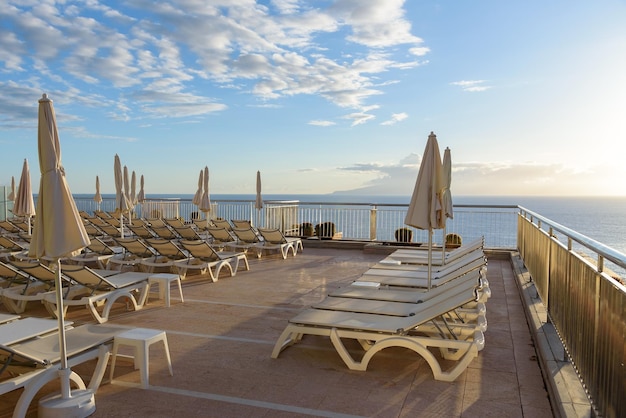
(103, 291)
(420, 256)
(376, 332)
(386, 301)
(393, 264)
(5, 318)
(404, 301)
(275, 239)
(84, 343)
(419, 279)
(26, 328)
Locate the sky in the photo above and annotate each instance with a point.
(320, 96)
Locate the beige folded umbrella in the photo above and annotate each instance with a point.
(121, 201)
(24, 203)
(97, 197)
(141, 196)
(205, 202)
(59, 232)
(426, 209)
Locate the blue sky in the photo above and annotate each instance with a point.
(320, 96)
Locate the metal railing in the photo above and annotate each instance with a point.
(585, 302)
(354, 221)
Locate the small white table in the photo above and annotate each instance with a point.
(141, 339)
(164, 281)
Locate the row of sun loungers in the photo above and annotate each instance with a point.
(238, 236)
(394, 308)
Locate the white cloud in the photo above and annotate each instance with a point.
(359, 118)
(471, 85)
(321, 123)
(395, 118)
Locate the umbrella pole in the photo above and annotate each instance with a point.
(80, 403)
(64, 372)
(443, 249)
(430, 256)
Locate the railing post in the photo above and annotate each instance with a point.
(373, 212)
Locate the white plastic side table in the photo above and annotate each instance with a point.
(164, 281)
(141, 339)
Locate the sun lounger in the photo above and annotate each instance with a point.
(5, 318)
(93, 230)
(186, 232)
(110, 231)
(141, 231)
(275, 239)
(135, 251)
(420, 256)
(101, 292)
(9, 247)
(376, 332)
(164, 232)
(221, 237)
(96, 253)
(84, 343)
(419, 278)
(169, 255)
(10, 275)
(222, 223)
(26, 328)
(350, 297)
(31, 283)
(401, 301)
(241, 223)
(203, 251)
(247, 239)
(14, 228)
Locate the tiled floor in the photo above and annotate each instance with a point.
(222, 336)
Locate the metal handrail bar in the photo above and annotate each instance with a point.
(602, 250)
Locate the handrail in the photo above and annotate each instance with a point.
(602, 250)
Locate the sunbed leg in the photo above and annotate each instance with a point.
(345, 356)
(98, 373)
(285, 340)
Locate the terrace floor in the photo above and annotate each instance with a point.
(222, 336)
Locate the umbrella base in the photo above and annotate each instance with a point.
(81, 404)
